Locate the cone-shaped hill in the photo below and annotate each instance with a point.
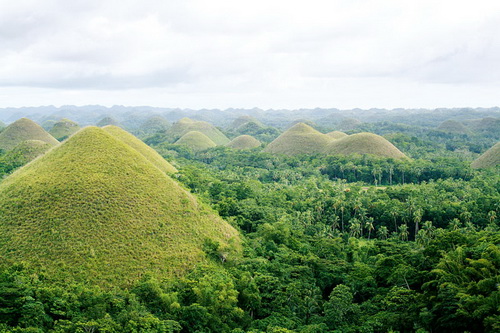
(336, 134)
(244, 120)
(453, 126)
(108, 121)
(63, 129)
(149, 153)
(21, 130)
(96, 210)
(364, 143)
(186, 125)
(26, 151)
(489, 159)
(299, 139)
(196, 141)
(154, 124)
(244, 142)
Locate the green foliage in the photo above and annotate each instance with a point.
(23, 130)
(63, 129)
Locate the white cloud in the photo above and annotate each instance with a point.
(198, 53)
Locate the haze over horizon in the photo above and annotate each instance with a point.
(222, 54)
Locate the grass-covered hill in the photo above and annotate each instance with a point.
(299, 139)
(154, 124)
(489, 159)
(108, 121)
(63, 129)
(348, 124)
(149, 153)
(364, 143)
(96, 210)
(336, 134)
(196, 141)
(244, 142)
(244, 120)
(2, 125)
(21, 130)
(453, 126)
(186, 125)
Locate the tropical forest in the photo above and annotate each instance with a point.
(144, 219)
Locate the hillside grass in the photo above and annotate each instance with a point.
(22, 130)
(196, 141)
(336, 134)
(364, 143)
(149, 153)
(299, 139)
(489, 159)
(64, 129)
(96, 210)
(186, 125)
(453, 126)
(244, 142)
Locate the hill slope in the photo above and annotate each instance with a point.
(186, 125)
(63, 129)
(299, 139)
(453, 126)
(21, 130)
(195, 140)
(244, 142)
(489, 159)
(149, 153)
(364, 143)
(96, 210)
(336, 134)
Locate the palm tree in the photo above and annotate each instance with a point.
(403, 232)
(369, 226)
(383, 232)
(355, 227)
(417, 217)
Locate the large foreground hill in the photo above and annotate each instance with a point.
(96, 209)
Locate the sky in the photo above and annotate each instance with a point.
(244, 54)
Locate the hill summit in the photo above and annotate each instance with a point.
(244, 142)
(195, 140)
(95, 209)
(364, 143)
(489, 159)
(299, 139)
(186, 125)
(21, 130)
(63, 129)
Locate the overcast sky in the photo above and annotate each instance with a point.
(267, 54)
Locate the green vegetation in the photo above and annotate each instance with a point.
(244, 142)
(153, 125)
(196, 141)
(299, 139)
(336, 134)
(108, 121)
(21, 130)
(186, 125)
(453, 126)
(489, 159)
(63, 129)
(244, 120)
(96, 210)
(149, 153)
(23, 153)
(364, 143)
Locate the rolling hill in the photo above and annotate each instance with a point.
(186, 125)
(63, 129)
(453, 126)
(489, 159)
(149, 153)
(299, 139)
(364, 143)
(196, 141)
(94, 209)
(336, 134)
(244, 142)
(21, 130)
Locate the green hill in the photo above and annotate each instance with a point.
(348, 124)
(23, 153)
(149, 153)
(336, 134)
(196, 141)
(364, 143)
(489, 159)
(186, 125)
(244, 142)
(22, 130)
(300, 139)
(108, 121)
(154, 124)
(94, 209)
(244, 120)
(453, 126)
(63, 129)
